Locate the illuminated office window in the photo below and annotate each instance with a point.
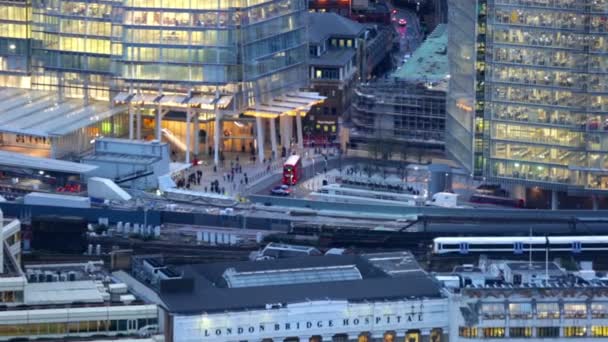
(497, 332)
(575, 331)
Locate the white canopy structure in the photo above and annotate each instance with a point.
(18, 160)
(37, 113)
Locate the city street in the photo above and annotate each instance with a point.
(410, 36)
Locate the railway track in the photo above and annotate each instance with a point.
(176, 251)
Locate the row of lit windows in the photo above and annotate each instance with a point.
(11, 296)
(193, 4)
(558, 5)
(538, 153)
(88, 45)
(540, 96)
(550, 39)
(186, 55)
(15, 13)
(542, 77)
(14, 31)
(91, 10)
(535, 172)
(547, 18)
(524, 133)
(94, 28)
(519, 332)
(57, 59)
(212, 19)
(177, 37)
(205, 73)
(88, 327)
(531, 172)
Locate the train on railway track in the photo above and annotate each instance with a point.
(519, 244)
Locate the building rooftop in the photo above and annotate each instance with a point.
(533, 267)
(19, 160)
(334, 57)
(429, 63)
(55, 293)
(328, 24)
(121, 158)
(253, 285)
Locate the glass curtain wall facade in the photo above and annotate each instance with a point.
(97, 48)
(15, 21)
(543, 94)
(71, 47)
(460, 102)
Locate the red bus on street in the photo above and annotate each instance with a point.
(292, 170)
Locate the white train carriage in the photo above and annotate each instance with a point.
(519, 244)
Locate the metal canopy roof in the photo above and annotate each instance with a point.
(14, 159)
(288, 104)
(24, 111)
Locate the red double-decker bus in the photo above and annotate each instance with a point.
(292, 170)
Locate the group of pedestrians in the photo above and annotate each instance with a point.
(194, 178)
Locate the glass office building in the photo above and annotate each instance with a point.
(529, 92)
(91, 48)
(15, 31)
(209, 58)
(247, 48)
(71, 47)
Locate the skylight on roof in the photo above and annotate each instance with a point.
(291, 276)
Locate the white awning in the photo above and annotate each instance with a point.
(224, 101)
(307, 95)
(203, 101)
(123, 97)
(144, 98)
(169, 100)
(289, 104)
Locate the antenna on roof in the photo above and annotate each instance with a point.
(546, 259)
(530, 249)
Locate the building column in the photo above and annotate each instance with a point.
(595, 203)
(273, 137)
(159, 118)
(299, 130)
(188, 133)
(554, 201)
(283, 130)
(216, 138)
(131, 119)
(54, 141)
(139, 110)
(259, 132)
(197, 140)
(289, 131)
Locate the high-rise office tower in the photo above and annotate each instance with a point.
(225, 65)
(529, 93)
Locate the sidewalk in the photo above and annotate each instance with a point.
(236, 178)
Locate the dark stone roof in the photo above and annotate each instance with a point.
(325, 25)
(211, 294)
(333, 57)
